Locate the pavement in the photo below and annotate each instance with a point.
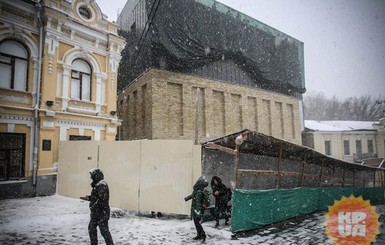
(61, 220)
(310, 230)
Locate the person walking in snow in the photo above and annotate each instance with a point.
(100, 208)
(200, 201)
(221, 199)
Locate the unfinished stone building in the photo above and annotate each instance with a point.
(168, 105)
(202, 70)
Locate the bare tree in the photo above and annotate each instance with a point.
(314, 106)
(333, 108)
(365, 108)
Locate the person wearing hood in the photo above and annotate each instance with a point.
(99, 207)
(221, 198)
(198, 206)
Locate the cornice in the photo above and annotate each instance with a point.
(73, 20)
(11, 23)
(16, 117)
(77, 123)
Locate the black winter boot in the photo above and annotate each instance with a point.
(204, 238)
(197, 237)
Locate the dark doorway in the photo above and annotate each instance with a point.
(12, 156)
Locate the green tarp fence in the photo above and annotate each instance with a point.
(253, 209)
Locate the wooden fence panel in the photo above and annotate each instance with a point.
(120, 163)
(143, 175)
(76, 158)
(166, 176)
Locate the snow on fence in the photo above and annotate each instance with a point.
(143, 175)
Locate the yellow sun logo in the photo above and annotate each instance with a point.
(352, 220)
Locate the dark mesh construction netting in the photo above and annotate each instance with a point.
(206, 38)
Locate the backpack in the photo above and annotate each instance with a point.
(229, 194)
(206, 198)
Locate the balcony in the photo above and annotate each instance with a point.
(359, 157)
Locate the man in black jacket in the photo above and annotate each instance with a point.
(100, 208)
(221, 198)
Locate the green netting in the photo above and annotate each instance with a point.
(254, 209)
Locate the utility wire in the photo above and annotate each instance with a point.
(147, 27)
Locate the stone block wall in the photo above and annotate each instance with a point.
(134, 109)
(167, 105)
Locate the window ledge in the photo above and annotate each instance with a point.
(82, 110)
(15, 90)
(15, 96)
(76, 100)
(6, 182)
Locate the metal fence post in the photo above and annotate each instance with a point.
(303, 169)
(320, 174)
(236, 162)
(343, 175)
(278, 178)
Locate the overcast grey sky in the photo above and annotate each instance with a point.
(344, 39)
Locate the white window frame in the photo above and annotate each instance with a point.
(372, 145)
(349, 153)
(330, 145)
(9, 59)
(78, 80)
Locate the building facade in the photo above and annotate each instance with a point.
(198, 69)
(169, 105)
(208, 39)
(351, 141)
(59, 61)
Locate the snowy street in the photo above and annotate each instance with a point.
(61, 220)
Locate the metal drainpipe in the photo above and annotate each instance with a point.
(35, 164)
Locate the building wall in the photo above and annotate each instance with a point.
(95, 41)
(176, 103)
(134, 11)
(18, 23)
(380, 143)
(337, 143)
(66, 36)
(135, 109)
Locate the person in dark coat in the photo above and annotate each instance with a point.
(221, 198)
(198, 207)
(100, 208)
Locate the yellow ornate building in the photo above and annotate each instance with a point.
(58, 74)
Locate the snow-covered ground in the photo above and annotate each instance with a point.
(62, 220)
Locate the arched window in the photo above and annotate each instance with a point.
(81, 80)
(13, 66)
